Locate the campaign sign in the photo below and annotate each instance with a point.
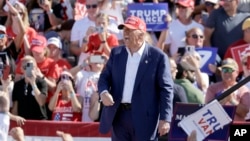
(208, 56)
(182, 110)
(237, 53)
(153, 14)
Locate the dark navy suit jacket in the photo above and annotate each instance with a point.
(152, 94)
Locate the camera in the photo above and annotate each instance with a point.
(190, 49)
(99, 29)
(97, 59)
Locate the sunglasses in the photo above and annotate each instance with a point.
(227, 70)
(91, 6)
(2, 36)
(195, 36)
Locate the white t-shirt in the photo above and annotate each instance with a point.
(80, 29)
(86, 85)
(4, 126)
(176, 34)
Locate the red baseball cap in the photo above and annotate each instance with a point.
(38, 43)
(133, 22)
(186, 3)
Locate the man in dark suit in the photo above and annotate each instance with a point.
(136, 88)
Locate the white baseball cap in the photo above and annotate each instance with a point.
(3, 28)
(212, 1)
(54, 41)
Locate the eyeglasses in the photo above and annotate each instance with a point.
(227, 70)
(2, 36)
(91, 6)
(209, 4)
(195, 36)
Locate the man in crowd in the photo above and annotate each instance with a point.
(223, 26)
(239, 98)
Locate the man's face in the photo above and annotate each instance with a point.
(229, 75)
(133, 38)
(230, 5)
(92, 7)
(184, 12)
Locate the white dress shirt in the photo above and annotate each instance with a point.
(132, 65)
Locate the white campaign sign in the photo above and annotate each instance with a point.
(205, 56)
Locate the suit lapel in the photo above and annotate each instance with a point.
(144, 64)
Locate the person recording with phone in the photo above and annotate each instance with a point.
(86, 85)
(50, 12)
(102, 40)
(30, 93)
(65, 104)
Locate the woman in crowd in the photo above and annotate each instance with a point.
(18, 29)
(45, 14)
(101, 41)
(46, 69)
(65, 104)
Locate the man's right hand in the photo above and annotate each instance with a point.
(107, 99)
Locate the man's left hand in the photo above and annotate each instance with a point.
(163, 127)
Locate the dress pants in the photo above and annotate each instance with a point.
(122, 129)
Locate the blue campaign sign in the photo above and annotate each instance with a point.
(153, 14)
(182, 110)
(208, 56)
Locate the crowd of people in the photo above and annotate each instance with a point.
(61, 61)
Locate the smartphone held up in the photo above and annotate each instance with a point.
(28, 69)
(97, 59)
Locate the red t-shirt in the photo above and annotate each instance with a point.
(95, 42)
(228, 53)
(64, 111)
(59, 67)
(30, 33)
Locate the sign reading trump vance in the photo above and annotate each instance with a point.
(153, 14)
